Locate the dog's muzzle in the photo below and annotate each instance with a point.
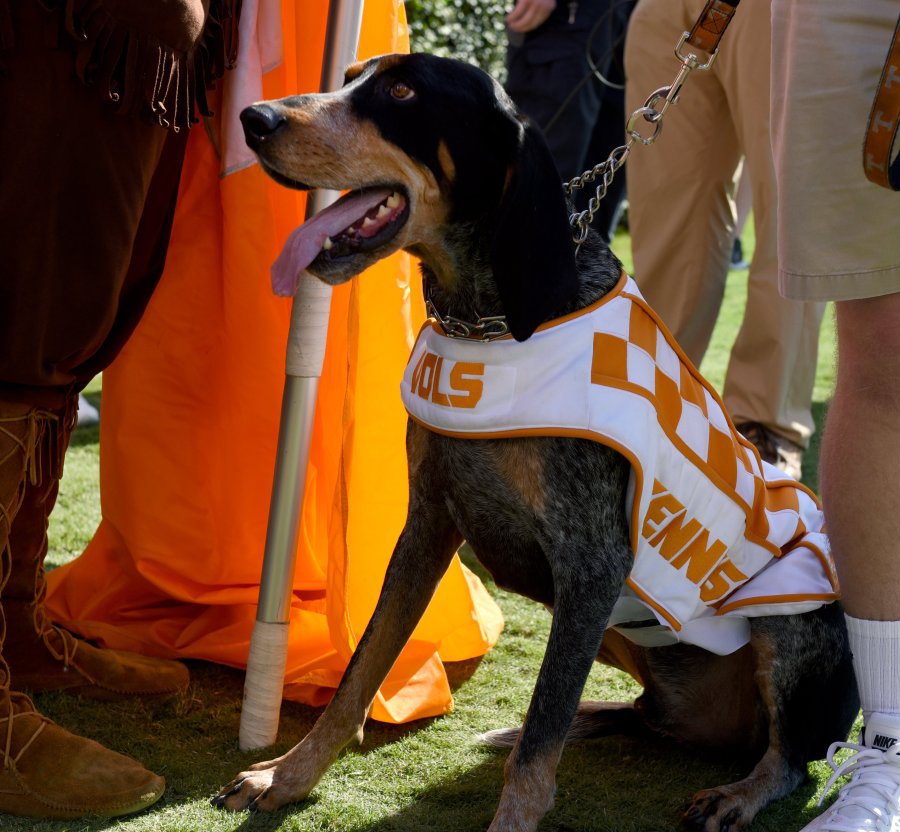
(261, 122)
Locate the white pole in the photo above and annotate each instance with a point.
(303, 366)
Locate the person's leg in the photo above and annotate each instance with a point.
(549, 79)
(743, 199)
(861, 486)
(772, 369)
(608, 133)
(680, 189)
(607, 46)
(77, 273)
(40, 655)
(86, 218)
(45, 771)
(838, 239)
(860, 492)
(76, 278)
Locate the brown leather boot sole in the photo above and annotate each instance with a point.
(47, 772)
(58, 661)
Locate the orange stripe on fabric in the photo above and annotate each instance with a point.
(745, 450)
(757, 525)
(674, 623)
(642, 331)
(757, 519)
(798, 535)
(726, 488)
(617, 290)
(669, 402)
(695, 373)
(692, 390)
(826, 562)
(781, 498)
(610, 358)
(775, 599)
(722, 457)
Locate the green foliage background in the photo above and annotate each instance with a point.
(471, 30)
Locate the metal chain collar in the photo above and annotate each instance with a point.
(654, 109)
(484, 329)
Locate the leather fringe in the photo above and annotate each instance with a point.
(137, 73)
(217, 50)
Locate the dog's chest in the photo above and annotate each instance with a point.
(514, 500)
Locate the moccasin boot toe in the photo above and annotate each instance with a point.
(50, 773)
(55, 660)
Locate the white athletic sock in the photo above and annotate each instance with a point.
(876, 660)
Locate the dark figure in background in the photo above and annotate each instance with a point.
(552, 46)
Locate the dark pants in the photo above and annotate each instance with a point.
(551, 81)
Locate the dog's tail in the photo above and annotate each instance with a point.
(593, 719)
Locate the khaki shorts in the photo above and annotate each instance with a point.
(838, 233)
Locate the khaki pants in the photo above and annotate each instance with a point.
(682, 212)
(843, 237)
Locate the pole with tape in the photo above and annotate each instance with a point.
(267, 658)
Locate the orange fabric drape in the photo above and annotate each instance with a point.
(189, 431)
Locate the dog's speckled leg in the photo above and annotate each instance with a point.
(409, 584)
(584, 598)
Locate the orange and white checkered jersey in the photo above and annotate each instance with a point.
(718, 535)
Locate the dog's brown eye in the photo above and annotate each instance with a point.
(401, 91)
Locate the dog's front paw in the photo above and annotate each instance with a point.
(714, 810)
(253, 790)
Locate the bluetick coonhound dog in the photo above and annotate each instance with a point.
(439, 163)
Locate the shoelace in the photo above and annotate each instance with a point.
(872, 777)
(27, 709)
(68, 641)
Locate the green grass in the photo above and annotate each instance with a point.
(430, 775)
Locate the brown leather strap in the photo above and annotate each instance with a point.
(711, 24)
(884, 119)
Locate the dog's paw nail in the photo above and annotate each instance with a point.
(219, 800)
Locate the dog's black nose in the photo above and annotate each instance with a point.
(260, 122)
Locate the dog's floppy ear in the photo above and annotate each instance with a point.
(532, 253)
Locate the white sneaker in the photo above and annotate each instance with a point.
(870, 801)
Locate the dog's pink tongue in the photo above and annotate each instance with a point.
(305, 242)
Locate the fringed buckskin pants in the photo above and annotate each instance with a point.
(96, 97)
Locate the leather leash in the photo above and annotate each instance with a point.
(711, 24)
(705, 36)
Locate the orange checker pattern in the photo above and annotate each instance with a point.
(731, 463)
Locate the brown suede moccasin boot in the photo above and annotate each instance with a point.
(47, 772)
(40, 655)
(55, 660)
